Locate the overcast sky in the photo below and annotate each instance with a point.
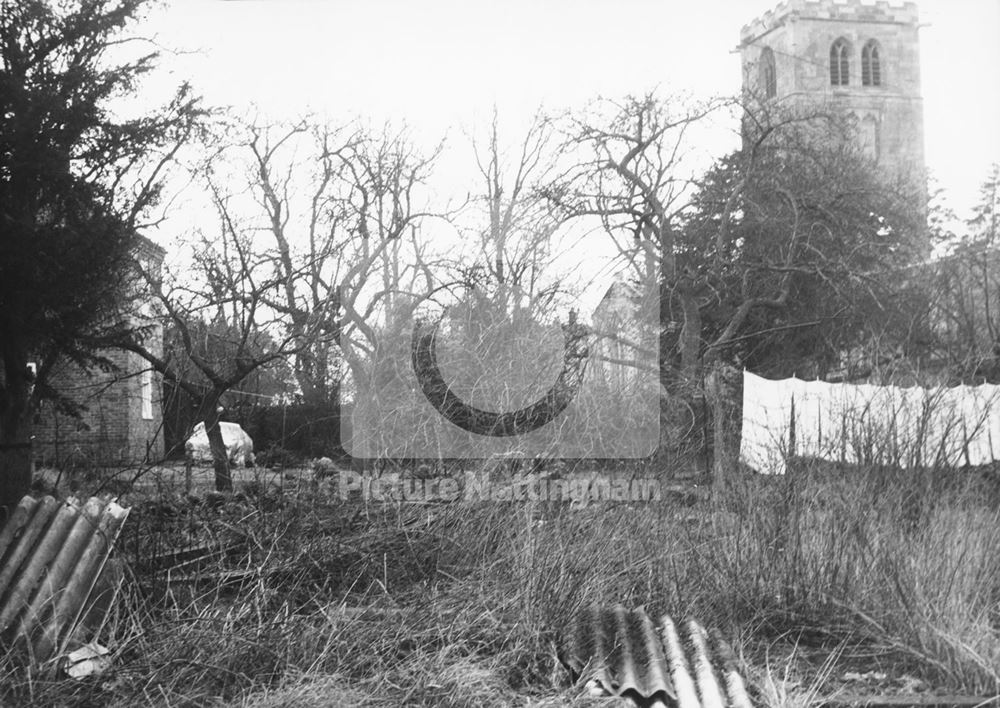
(443, 64)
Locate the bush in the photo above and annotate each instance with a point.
(279, 457)
(304, 430)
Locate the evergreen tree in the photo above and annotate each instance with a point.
(75, 180)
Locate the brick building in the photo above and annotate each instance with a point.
(859, 57)
(121, 420)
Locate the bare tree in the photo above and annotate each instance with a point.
(508, 281)
(501, 330)
(784, 234)
(514, 226)
(961, 291)
(337, 206)
(229, 286)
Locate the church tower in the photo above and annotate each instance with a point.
(854, 56)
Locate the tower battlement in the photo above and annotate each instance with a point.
(859, 59)
(883, 11)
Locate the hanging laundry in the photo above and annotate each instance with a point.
(767, 410)
(811, 399)
(981, 424)
(866, 424)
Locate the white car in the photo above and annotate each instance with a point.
(239, 445)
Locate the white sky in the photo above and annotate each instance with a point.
(441, 65)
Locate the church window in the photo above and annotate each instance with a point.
(146, 393)
(871, 66)
(768, 75)
(840, 64)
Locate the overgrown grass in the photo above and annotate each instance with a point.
(314, 601)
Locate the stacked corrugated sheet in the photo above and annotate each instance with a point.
(628, 656)
(52, 555)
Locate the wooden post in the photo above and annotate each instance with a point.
(722, 392)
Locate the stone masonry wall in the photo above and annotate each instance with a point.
(800, 33)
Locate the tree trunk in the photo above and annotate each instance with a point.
(15, 430)
(220, 457)
(15, 471)
(690, 344)
(722, 394)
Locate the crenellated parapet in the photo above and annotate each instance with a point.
(882, 11)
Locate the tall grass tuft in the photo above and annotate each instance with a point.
(315, 601)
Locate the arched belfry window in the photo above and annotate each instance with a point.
(871, 65)
(840, 63)
(768, 75)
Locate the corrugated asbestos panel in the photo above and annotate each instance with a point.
(51, 556)
(629, 656)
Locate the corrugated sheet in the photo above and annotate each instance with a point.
(51, 556)
(628, 656)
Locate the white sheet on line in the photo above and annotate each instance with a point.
(868, 424)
